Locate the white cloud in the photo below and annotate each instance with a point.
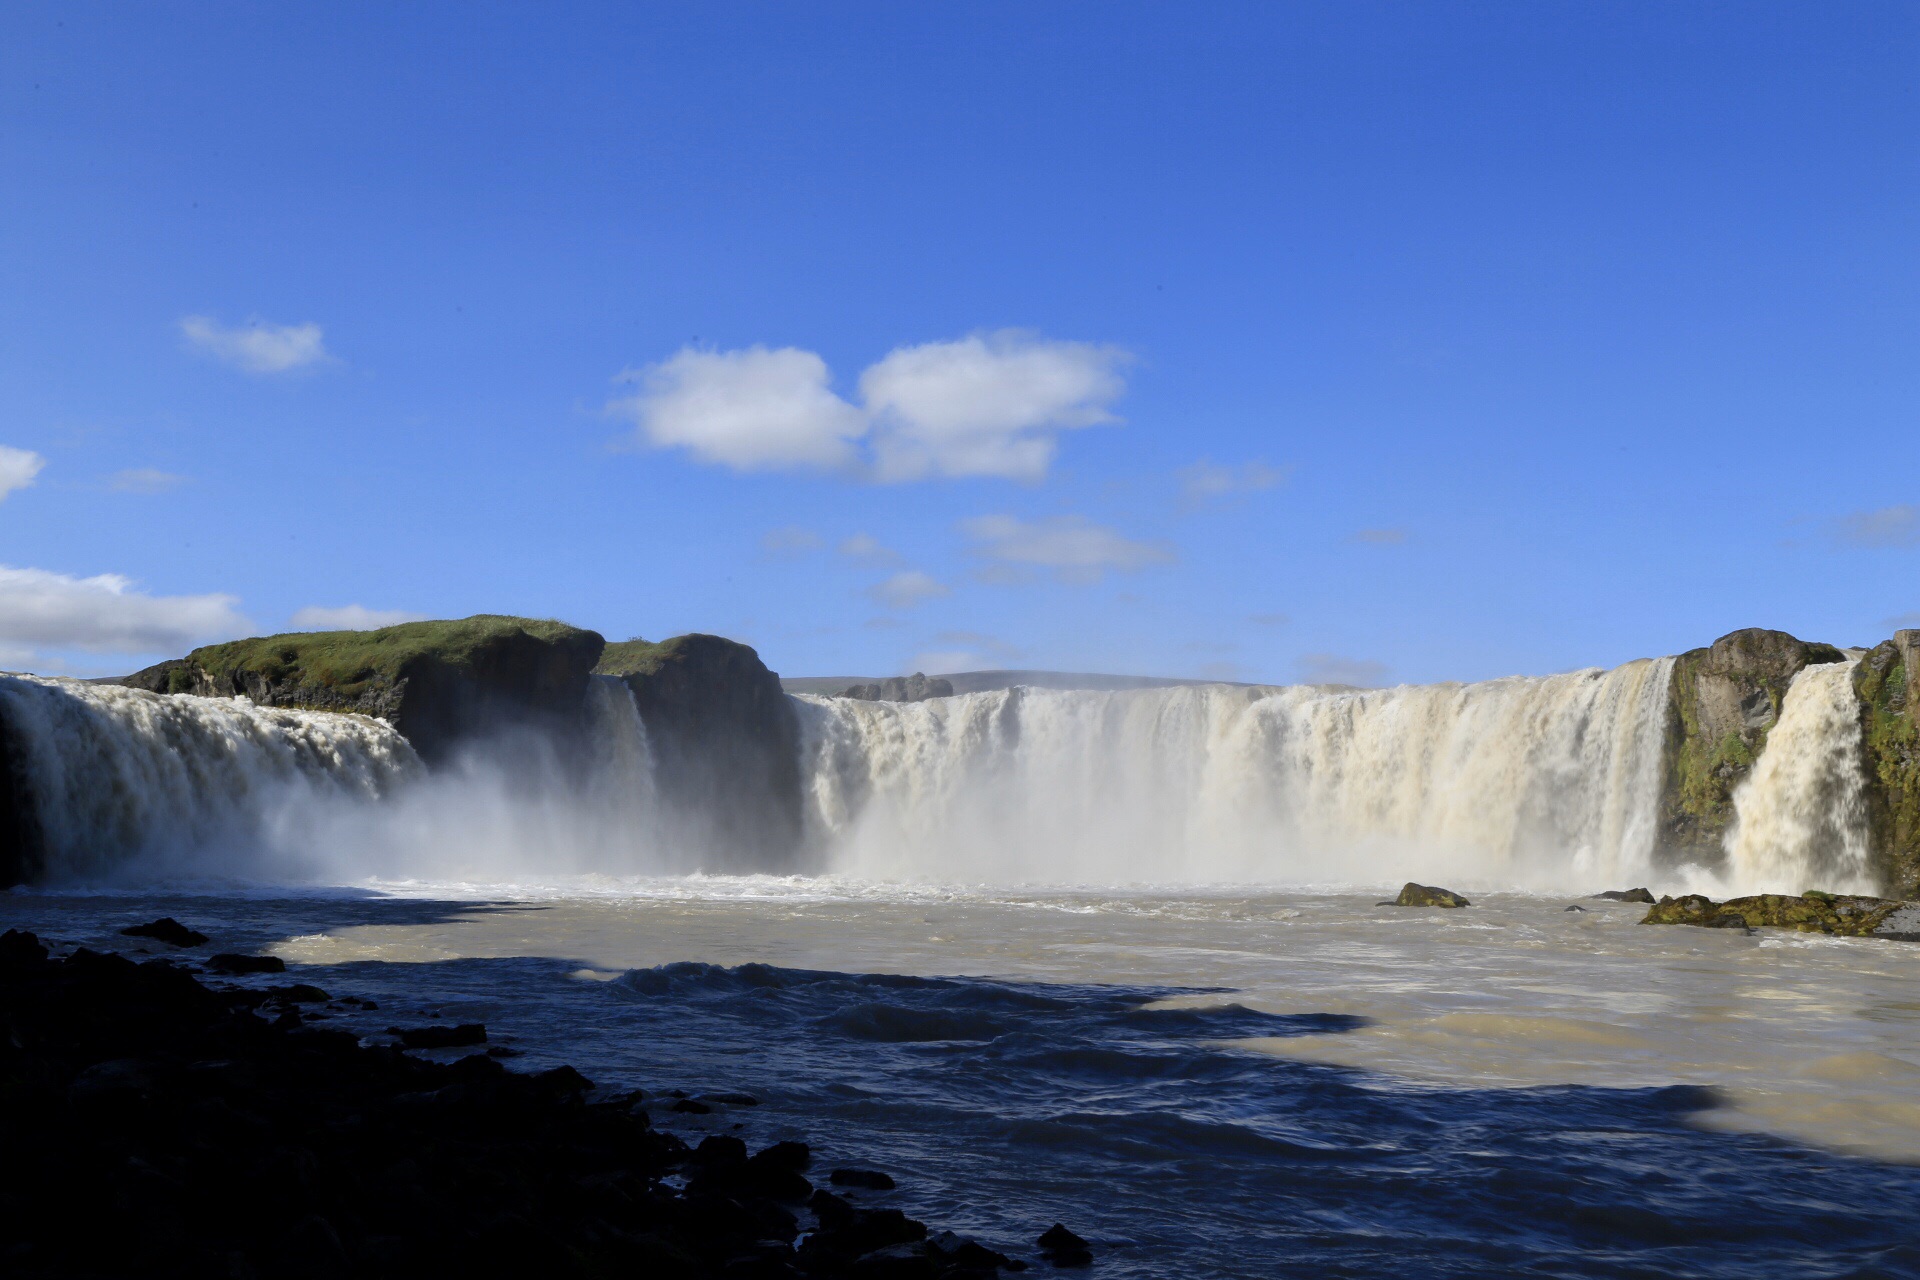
(1897, 526)
(350, 617)
(866, 549)
(146, 480)
(104, 614)
(750, 410)
(18, 467)
(1331, 668)
(1076, 549)
(1207, 482)
(1381, 537)
(789, 542)
(256, 347)
(987, 405)
(907, 588)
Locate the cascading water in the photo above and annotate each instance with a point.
(1800, 818)
(1548, 782)
(117, 776)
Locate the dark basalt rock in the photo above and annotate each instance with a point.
(914, 688)
(224, 1144)
(1626, 895)
(866, 1179)
(1065, 1249)
(168, 930)
(1576, 907)
(726, 746)
(1426, 895)
(437, 1037)
(236, 965)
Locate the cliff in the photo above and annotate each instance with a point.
(436, 682)
(913, 688)
(1887, 682)
(726, 744)
(1723, 701)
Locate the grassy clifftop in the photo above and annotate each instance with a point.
(1885, 682)
(351, 663)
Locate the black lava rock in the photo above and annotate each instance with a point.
(866, 1179)
(459, 1037)
(1063, 1248)
(235, 966)
(168, 930)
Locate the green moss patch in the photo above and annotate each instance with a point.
(349, 663)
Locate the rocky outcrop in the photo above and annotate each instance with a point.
(914, 688)
(1723, 701)
(438, 683)
(21, 849)
(1844, 915)
(1426, 895)
(1887, 682)
(725, 742)
(1626, 895)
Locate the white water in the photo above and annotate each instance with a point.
(128, 777)
(1548, 782)
(1801, 815)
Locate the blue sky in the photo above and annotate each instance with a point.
(1272, 341)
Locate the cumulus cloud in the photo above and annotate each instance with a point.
(1330, 668)
(18, 467)
(1381, 537)
(146, 480)
(40, 610)
(756, 409)
(1206, 482)
(1896, 526)
(866, 549)
(907, 588)
(986, 405)
(1073, 547)
(789, 542)
(350, 617)
(256, 347)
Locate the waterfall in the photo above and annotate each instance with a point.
(118, 776)
(1800, 818)
(1550, 782)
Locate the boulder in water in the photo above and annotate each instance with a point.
(1576, 907)
(236, 965)
(1426, 895)
(168, 930)
(866, 1179)
(1843, 915)
(1065, 1249)
(1626, 895)
(438, 1037)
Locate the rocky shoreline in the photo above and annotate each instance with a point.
(159, 1124)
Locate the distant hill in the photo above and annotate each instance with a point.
(981, 681)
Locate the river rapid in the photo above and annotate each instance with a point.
(1208, 1082)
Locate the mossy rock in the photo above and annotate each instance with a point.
(436, 682)
(1887, 682)
(1843, 915)
(1722, 702)
(1426, 895)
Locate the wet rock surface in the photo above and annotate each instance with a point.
(1844, 915)
(1626, 895)
(221, 1136)
(914, 688)
(168, 930)
(1426, 895)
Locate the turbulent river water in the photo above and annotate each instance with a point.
(1112, 959)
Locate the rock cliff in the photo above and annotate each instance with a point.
(1887, 682)
(726, 745)
(438, 683)
(914, 688)
(1723, 701)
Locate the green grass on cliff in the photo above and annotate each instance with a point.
(1892, 741)
(349, 662)
(637, 657)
